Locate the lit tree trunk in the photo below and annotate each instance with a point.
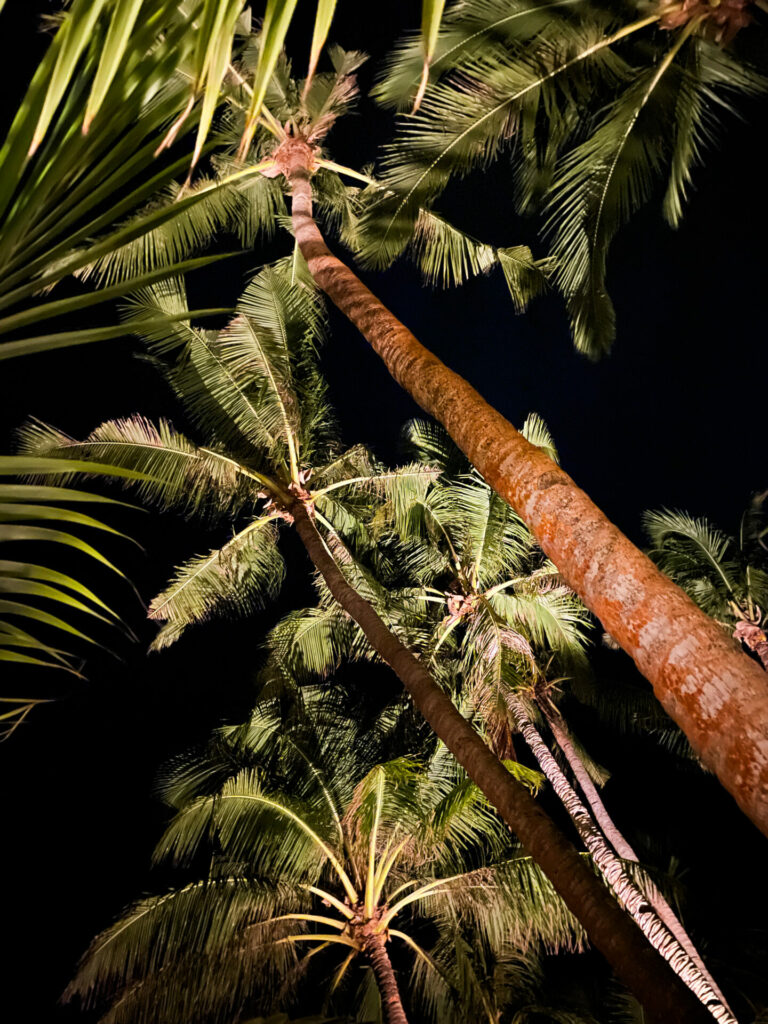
(660, 992)
(638, 905)
(624, 850)
(375, 952)
(716, 694)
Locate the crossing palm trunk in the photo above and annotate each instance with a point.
(610, 930)
(715, 693)
(375, 952)
(623, 848)
(612, 869)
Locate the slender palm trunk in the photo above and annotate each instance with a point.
(375, 953)
(624, 850)
(662, 994)
(715, 693)
(612, 869)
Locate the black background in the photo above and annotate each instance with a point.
(674, 417)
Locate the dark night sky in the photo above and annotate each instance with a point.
(674, 417)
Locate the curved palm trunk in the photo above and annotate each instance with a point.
(375, 953)
(638, 905)
(662, 994)
(714, 692)
(625, 851)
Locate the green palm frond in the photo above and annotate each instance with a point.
(313, 643)
(199, 927)
(172, 472)
(697, 556)
(57, 225)
(598, 187)
(29, 591)
(246, 208)
(429, 442)
(552, 616)
(465, 121)
(535, 430)
(242, 576)
(465, 30)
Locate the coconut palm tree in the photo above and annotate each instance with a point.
(636, 605)
(318, 855)
(568, 526)
(255, 389)
(726, 576)
(488, 610)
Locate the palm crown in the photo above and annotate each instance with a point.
(255, 390)
(322, 849)
(600, 105)
(455, 572)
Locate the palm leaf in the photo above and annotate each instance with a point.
(241, 576)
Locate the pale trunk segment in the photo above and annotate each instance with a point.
(610, 930)
(612, 869)
(375, 953)
(715, 693)
(624, 850)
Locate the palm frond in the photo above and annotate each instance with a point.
(198, 926)
(241, 576)
(172, 472)
(537, 432)
(24, 585)
(697, 556)
(465, 30)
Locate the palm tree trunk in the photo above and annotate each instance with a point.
(375, 953)
(638, 905)
(662, 994)
(624, 850)
(714, 692)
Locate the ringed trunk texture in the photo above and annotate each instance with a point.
(716, 694)
(610, 930)
(637, 903)
(375, 952)
(624, 850)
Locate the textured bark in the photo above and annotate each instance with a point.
(715, 693)
(612, 869)
(375, 952)
(625, 851)
(609, 929)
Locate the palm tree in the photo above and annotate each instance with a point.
(313, 843)
(647, 615)
(727, 577)
(485, 612)
(255, 389)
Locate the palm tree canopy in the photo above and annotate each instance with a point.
(601, 106)
(255, 392)
(308, 834)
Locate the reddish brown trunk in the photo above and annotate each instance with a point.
(662, 994)
(375, 952)
(625, 851)
(715, 693)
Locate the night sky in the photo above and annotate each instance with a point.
(675, 417)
